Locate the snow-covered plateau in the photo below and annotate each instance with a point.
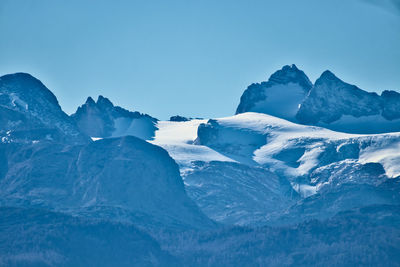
(267, 149)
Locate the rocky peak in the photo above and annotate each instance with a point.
(330, 102)
(335, 104)
(328, 76)
(90, 101)
(29, 111)
(104, 102)
(291, 74)
(103, 119)
(280, 96)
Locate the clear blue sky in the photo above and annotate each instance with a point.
(194, 58)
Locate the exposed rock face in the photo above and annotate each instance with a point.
(30, 112)
(280, 96)
(391, 105)
(123, 178)
(178, 118)
(102, 119)
(340, 106)
(331, 98)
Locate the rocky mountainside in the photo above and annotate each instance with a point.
(340, 106)
(30, 112)
(237, 193)
(102, 119)
(331, 98)
(109, 179)
(280, 96)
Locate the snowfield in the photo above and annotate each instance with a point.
(178, 139)
(283, 143)
(253, 168)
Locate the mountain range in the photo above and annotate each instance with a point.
(299, 175)
(329, 102)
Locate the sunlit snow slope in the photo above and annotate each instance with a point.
(178, 139)
(267, 153)
(273, 142)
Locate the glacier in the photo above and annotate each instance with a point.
(313, 160)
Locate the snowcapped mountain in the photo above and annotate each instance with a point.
(229, 188)
(252, 157)
(102, 119)
(280, 96)
(30, 112)
(246, 169)
(331, 98)
(340, 106)
(329, 103)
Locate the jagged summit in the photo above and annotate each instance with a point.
(90, 101)
(291, 74)
(103, 119)
(279, 96)
(331, 98)
(103, 101)
(337, 105)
